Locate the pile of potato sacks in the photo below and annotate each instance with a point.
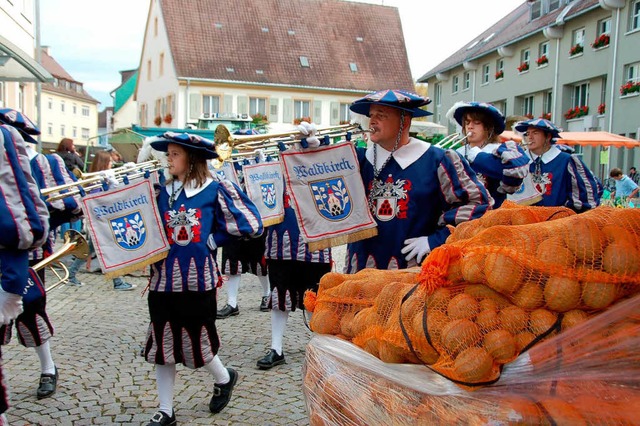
(491, 292)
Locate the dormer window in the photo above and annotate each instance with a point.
(265, 29)
(217, 25)
(304, 62)
(353, 67)
(230, 69)
(259, 72)
(359, 39)
(291, 32)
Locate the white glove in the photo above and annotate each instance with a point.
(261, 157)
(110, 177)
(416, 247)
(309, 130)
(129, 165)
(10, 306)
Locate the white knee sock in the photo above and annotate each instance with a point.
(218, 371)
(47, 366)
(166, 380)
(264, 282)
(278, 326)
(233, 285)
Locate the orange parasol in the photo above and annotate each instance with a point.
(584, 139)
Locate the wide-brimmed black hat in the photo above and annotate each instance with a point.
(203, 146)
(399, 99)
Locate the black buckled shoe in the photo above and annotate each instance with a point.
(264, 304)
(271, 359)
(160, 418)
(222, 393)
(48, 385)
(227, 311)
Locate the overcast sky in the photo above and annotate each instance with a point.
(93, 40)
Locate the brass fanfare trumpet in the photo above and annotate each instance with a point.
(75, 244)
(90, 181)
(248, 145)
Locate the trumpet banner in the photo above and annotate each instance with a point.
(126, 228)
(328, 195)
(265, 187)
(226, 172)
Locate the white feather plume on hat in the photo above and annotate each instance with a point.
(147, 153)
(452, 111)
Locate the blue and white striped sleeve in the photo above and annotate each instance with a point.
(464, 197)
(237, 217)
(584, 193)
(508, 163)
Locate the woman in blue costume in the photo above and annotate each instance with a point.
(562, 178)
(500, 166)
(199, 214)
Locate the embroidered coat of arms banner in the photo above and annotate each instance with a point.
(328, 195)
(125, 227)
(264, 185)
(226, 172)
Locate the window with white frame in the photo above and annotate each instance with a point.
(543, 50)
(437, 94)
(74, 109)
(536, 9)
(525, 56)
(485, 73)
(527, 106)
(210, 104)
(603, 90)
(554, 4)
(466, 80)
(634, 15)
(454, 84)
(62, 130)
(85, 133)
(74, 132)
(604, 26)
(632, 73)
(499, 68)
(50, 103)
(50, 129)
(257, 106)
(577, 37)
(62, 106)
(580, 95)
(547, 107)
(85, 111)
(345, 117)
(301, 109)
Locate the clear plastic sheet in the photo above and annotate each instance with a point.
(588, 374)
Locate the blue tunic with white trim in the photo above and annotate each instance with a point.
(564, 180)
(218, 210)
(421, 190)
(501, 167)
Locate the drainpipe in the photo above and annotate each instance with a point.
(554, 95)
(614, 64)
(187, 104)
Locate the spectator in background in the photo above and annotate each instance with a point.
(625, 187)
(634, 176)
(72, 159)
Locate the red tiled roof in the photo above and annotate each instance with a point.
(56, 70)
(208, 37)
(514, 26)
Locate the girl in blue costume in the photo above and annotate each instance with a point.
(199, 214)
(562, 178)
(500, 166)
(414, 189)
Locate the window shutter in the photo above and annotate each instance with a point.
(243, 105)
(228, 104)
(273, 110)
(335, 114)
(317, 112)
(195, 108)
(287, 113)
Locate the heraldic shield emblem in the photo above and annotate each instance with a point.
(332, 198)
(129, 231)
(268, 191)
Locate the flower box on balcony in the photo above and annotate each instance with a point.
(629, 87)
(542, 60)
(546, 116)
(157, 121)
(576, 50)
(499, 75)
(576, 112)
(602, 41)
(523, 67)
(168, 118)
(602, 108)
